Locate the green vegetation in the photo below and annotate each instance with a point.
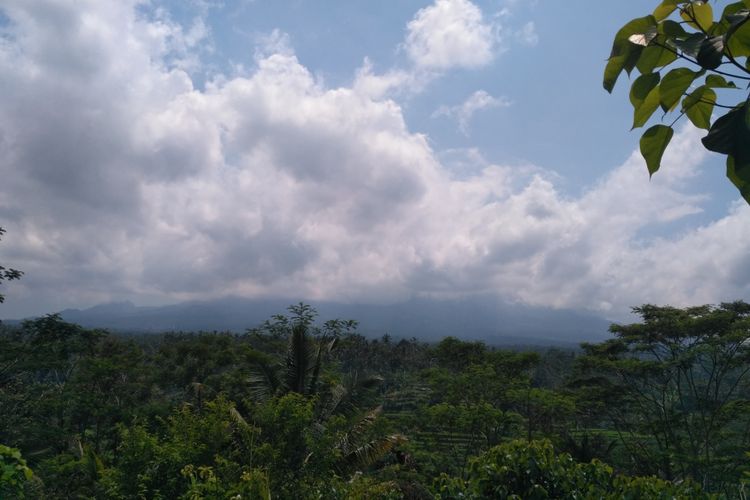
(297, 409)
(711, 47)
(7, 273)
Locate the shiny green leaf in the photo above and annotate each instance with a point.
(699, 15)
(691, 45)
(664, 9)
(624, 54)
(737, 39)
(735, 13)
(653, 143)
(655, 56)
(674, 85)
(718, 82)
(741, 179)
(711, 52)
(644, 96)
(643, 39)
(641, 87)
(699, 105)
(672, 29)
(732, 9)
(729, 132)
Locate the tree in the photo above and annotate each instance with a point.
(6, 273)
(14, 473)
(713, 55)
(308, 348)
(675, 387)
(520, 469)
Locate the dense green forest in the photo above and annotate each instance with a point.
(299, 408)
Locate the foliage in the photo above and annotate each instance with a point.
(715, 45)
(6, 273)
(675, 387)
(101, 415)
(13, 472)
(533, 470)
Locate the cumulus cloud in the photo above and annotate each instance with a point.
(463, 113)
(448, 34)
(123, 180)
(527, 34)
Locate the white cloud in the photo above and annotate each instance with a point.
(477, 101)
(392, 82)
(527, 34)
(448, 34)
(121, 180)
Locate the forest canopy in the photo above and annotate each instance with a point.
(296, 408)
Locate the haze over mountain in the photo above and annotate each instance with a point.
(425, 319)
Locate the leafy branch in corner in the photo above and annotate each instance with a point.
(685, 31)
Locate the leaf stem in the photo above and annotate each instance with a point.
(690, 59)
(716, 104)
(676, 119)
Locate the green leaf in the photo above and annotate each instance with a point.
(691, 45)
(718, 82)
(655, 56)
(699, 15)
(653, 143)
(641, 87)
(674, 85)
(737, 39)
(711, 52)
(732, 10)
(612, 72)
(730, 133)
(644, 95)
(632, 58)
(643, 39)
(740, 181)
(624, 54)
(672, 29)
(735, 13)
(664, 9)
(699, 105)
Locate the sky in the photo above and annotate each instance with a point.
(347, 150)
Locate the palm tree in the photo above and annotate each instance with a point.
(300, 371)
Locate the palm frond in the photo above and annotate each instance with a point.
(358, 431)
(369, 453)
(297, 359)
(263, 382)
(330, 402)
(313, 386)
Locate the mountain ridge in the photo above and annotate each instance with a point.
(426, 319)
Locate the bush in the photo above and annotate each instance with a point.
(532, 470)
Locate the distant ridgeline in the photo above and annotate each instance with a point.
(481, 319)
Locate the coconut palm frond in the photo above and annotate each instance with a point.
(242, 431)
(365, 422)
(313, 386)
(263, 382)
(297, 359)
(369, 453)
(358, 431)
(238, 419)
(330, 402)
(359, 393)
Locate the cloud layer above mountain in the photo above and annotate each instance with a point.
(122, 179)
